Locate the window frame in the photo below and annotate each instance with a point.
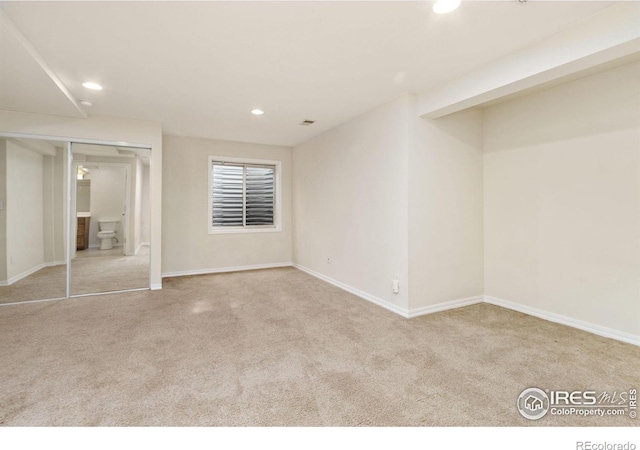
(277, 198)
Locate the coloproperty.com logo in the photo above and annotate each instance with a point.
(534, 403)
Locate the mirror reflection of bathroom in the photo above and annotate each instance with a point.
(33, 219)
(111, 234)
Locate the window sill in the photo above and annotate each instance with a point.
(244, 230)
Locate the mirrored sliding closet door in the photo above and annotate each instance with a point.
(110, 223)
(33, 219)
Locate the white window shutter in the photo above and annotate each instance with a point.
(259, 195)
(227, 195)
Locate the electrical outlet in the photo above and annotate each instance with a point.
(10, 259)
(395, 285)
(328, 260)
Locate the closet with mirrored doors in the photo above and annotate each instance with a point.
(74, 218)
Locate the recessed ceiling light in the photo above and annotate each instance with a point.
(445, 6)
(86, 103)
(92, 85)
(257, 112)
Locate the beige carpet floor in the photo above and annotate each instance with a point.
(96, 270)
(92, 270)
(279, 347)
(49, 282)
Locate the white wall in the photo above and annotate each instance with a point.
(562, 200)
(35, 219)
(60, 219)
(83, 196)
(104, 128)
(446, 210)
(350, 202)
(137, 208)
(108, 190)
(54, 192)
(47, 208)
(187, 244)
(24, 205)
(145, 220)
(3, 211)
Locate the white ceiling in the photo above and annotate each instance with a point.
(200, 67)
(25, 83)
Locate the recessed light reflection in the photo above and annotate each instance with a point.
(445, 6)
(91, 85)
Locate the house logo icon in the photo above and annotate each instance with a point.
(533, 403)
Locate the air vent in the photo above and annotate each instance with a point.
(307, 123)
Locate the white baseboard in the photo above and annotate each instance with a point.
(564, 320)
(225, 269)
(55, 263)
(117, 244)
(445, 306)
(22, 275)
(143, 244)
(31, 271)
(552, 317)
(371, 298)
(156, 287)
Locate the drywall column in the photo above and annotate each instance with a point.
(3, 211)
(47, 208)
(60, 205)
(137, 211)
(146, 202)
(350, 202)
(53, 195)
(446, 211)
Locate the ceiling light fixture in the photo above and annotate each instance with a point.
(257, 112)
(92, 85)
(445, 6)
(86, 103)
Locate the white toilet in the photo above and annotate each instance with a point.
(107, 233)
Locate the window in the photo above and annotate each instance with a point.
(243, 195)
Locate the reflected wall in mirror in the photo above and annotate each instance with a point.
(111, 225)
(33, 186)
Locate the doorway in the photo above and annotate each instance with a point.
(110, 198)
